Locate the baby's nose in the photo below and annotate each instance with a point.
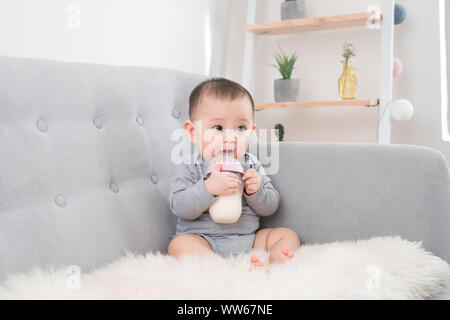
(230, 135)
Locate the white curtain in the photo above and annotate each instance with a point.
(227, 20)
(219, 22)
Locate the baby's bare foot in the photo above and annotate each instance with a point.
(256, 261)
(285, 255)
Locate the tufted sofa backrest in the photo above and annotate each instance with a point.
(85, 160)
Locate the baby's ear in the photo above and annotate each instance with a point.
(251, 130)
(189, 128)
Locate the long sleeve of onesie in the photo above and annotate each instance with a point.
(266, 200)
(188, 198)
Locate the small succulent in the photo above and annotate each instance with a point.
(349, 50)
(280, 132)
(285, 64)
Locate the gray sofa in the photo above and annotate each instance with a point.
(85, 170)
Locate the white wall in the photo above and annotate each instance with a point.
(318, 68)
(121, 32)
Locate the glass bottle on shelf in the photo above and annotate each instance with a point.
(347, 82)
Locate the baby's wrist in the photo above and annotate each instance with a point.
(208, 187)
(252, 193)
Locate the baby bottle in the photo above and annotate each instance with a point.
(227, 208)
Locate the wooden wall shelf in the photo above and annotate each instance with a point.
(380, 18)
(333, 103)
(310, 24)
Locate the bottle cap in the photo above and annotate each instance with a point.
(228, 164)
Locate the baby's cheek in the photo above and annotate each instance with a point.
(210, 143)
(242, 143)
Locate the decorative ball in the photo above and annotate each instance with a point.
(398, 67)
(399, 14)
(401, 110)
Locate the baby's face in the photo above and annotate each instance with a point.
(221, 127)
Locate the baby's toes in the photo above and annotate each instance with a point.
(285, 255)
(256, 261)
(287, 252)
(282, 258)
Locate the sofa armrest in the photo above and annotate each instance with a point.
(349, 191)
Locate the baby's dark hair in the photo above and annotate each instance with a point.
(220, 88)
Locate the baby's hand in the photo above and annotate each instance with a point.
(222, 183)
(252, 181)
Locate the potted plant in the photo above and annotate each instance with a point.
(292, 9)
(279, 131)
(347, 81)
(286, 89)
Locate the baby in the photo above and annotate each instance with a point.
(221, 122)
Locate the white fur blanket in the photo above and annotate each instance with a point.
(379, 268)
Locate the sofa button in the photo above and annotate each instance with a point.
(114, 187)
(154, 178)
(139, 121)
(42, 125)
(176, 113)
(60, 201)
(98, 123)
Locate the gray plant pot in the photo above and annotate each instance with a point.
(292, 9)
(286, 90)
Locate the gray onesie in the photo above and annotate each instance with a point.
(189, 201)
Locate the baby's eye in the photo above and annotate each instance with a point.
(241, 128)
(219, 127)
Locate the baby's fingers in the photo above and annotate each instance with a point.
(231, 175)
(233, 189)
(234, 182)
(250, 173)
(251, 181)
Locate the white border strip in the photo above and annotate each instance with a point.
(444, 90)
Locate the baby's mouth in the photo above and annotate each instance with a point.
(228, 153)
